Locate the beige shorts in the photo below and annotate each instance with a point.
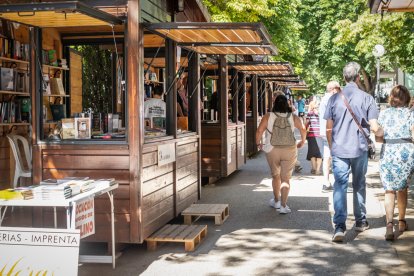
(282, 161)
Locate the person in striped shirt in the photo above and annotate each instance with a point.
(314, 140)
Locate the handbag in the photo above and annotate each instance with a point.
(371, 145)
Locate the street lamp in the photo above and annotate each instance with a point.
(378, 52)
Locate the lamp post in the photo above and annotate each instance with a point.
(378, 52)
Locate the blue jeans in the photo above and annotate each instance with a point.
(341, 169)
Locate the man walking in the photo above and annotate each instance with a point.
(349, 148)
(331, 88)
(301, 108)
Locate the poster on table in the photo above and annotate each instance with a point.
(85, 217)
(39, 251)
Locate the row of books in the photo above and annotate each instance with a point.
(105, 123)
(55, 189)
(16, 110)
(12, 79)
(11, 48)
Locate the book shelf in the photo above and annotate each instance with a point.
(26, 94)
(55, 67)
(14, 124)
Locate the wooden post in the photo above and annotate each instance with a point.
(171, 96)
(235, 94)
(135, 95)
(242, 97)
(194, 98)
(194, 112)
(223, 112)
(255, 110)
(270, 97)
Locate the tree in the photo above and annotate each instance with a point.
(279, 16)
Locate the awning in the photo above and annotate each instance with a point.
(281, 78)
(378, 6)
(57, 14)
(264, 68)
(218, 38)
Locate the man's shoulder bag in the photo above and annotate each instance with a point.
(371, 145)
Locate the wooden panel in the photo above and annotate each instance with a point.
(75, 83)
(157, 196)
(150, 159)
(155, 11)
(187, 170)
(85, 162)
(154, 171)
(183, 204)
(121, 176)
(187, 148)
(186, 181)
(157, 183)
(158, 209)
(150, 227)
(121, 206)
(181, 195)
(187, 160)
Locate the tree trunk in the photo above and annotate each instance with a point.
(368, 82)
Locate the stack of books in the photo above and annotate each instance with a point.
(105, 182)
(23, 193)
(56, 192)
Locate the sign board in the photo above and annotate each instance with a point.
(39, 251)
(228, 147)
(166, 154)
(85, 217)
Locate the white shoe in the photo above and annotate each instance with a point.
(274, 204)
(285, 210)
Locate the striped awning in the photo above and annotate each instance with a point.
(57, 14)
(218, 38)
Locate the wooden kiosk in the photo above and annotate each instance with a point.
(261, 90)
(149, 194)
(158, 176)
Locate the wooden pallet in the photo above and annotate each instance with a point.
(190, 235)
(220, 212)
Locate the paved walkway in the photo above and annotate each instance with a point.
(256, 240)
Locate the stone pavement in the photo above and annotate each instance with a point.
(256, 240)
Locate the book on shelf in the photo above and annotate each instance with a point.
(13, 111)
(7, 79)
(83, 128)
(68, 128)
(108, 123)
(97, 123)
(56, 86)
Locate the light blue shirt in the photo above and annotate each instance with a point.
(347, 141)
(322, 108)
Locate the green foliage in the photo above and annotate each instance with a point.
(279, 16)
(96, 78)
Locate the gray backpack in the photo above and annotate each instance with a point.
(282, 134)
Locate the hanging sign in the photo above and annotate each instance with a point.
(39, 251)
(166, 154)
(85, 217)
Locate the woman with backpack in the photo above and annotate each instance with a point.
(281, 148)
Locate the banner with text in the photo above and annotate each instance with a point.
(85, 217)
(39, 251)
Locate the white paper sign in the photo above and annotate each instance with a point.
(39, 251)
(242, 144)
(228, 147)
(85, 217)
(166, 154)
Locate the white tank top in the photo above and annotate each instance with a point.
(267, 147)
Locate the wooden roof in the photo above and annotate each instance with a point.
(57, 14)
(391, 6)
(218, 38)
(264, 68)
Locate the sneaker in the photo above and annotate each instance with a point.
(298, 169)
(361, 226)
(284, 210)
(327, 189)
(313, 171)
(338, 235)
(274, 204)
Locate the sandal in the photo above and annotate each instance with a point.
(389, 234)
(402, 225)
